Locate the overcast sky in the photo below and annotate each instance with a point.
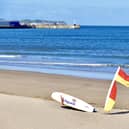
(86, 12)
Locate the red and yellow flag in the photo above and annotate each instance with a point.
(111, 97)
(122, 78)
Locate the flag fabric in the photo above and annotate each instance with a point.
(122, 77)
(111, 97)
(112, 93)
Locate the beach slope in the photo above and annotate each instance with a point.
(25, 102)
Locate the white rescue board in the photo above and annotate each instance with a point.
(70, 101)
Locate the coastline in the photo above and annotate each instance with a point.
(26, 102)
(74, 73)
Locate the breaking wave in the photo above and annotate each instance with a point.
(57, 63)
(10, 56)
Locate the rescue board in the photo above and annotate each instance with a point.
(70, 101)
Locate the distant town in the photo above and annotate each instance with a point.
(37, 23)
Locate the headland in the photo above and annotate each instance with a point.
(36, 24)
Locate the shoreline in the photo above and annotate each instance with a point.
(80, 74)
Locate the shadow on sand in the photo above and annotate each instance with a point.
(70, 108)
(119, 113)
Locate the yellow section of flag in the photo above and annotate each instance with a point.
(109, 105)
(122, 77)
(122, 81)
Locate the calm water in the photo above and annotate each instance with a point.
(87, 52)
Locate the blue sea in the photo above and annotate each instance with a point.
(91, 51)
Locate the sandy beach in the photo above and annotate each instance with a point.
(25, 102)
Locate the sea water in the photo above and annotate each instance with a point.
(91, 51)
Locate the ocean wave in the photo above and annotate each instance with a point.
(10, 56)
(58, 63)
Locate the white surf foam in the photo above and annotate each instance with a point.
(9, 56)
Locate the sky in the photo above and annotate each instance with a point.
(84, 12)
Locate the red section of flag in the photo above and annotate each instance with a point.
(113, 91)
(122, 74)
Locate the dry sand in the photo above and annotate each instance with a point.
(25, 102)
